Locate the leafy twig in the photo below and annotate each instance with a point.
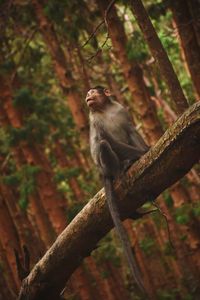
(165, 217)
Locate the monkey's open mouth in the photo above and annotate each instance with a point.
(90, 101)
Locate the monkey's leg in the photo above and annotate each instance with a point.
(108, 160)
(122, 150)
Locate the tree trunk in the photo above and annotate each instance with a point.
(9, 239)
(141, 103)
(7, 275)
(26, 232)
(189, 43)
(63, 72)
(194, 6)
(160, 56)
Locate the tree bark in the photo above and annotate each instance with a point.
(160, 56)
(170, 159)
(9, 239)
(62, 70)
(189, 43)
(194, 6)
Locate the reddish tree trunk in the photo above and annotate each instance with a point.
(7, 275)
(160, 56)
(24, 228)
(189, 43)
(194, 6)
(61, 68)
(9, 239)
(142, 103)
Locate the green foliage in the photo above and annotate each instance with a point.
(106, 251)
(54, 10)
(182, 219)
(147, 245)
(88, 182)
(182, 214)
(25, 181)
(168, 250)
(4, 142)
(62, 177)
(6, 67)
(24, 99)
(168, 295)
(157, 9)
(168, 199)
(136, 48)
(39, 116)
(66, 173)
(196, 209)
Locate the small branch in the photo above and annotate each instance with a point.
(26, 43)
(5, 162)
(100, 24)
(166, 220)
(93, 33)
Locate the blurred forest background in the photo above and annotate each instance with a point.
(51, 53)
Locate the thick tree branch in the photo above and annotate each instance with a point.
(170, 159)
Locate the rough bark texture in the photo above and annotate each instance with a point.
(169, 160)
(194, 6)
(160, 55)
(189, 42)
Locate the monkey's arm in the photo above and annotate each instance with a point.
(133, 137)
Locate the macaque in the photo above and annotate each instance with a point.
(115, 145)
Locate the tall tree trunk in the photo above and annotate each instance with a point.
(142, 103)
(62, 70)
(160, 56)
(26, 233)
(194, 6)
(9, 239)
(7, 274)
(189, 43)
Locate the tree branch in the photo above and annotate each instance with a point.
(170, 159)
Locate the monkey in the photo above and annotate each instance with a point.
(114, 145)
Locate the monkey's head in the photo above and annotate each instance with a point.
(97, 98)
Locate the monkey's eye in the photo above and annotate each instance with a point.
(90, 93)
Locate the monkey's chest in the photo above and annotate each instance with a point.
(115, 127)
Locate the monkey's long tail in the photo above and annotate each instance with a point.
(111, 200)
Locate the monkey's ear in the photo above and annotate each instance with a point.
(107, 92)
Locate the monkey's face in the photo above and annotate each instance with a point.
(96, 99)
